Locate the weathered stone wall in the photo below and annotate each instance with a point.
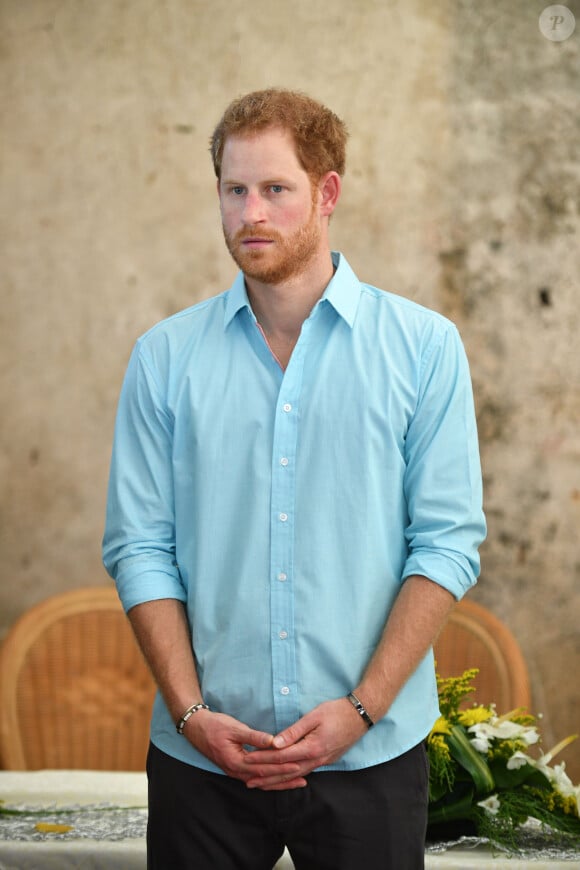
(463, 192)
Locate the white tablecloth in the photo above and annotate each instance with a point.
(48, 790)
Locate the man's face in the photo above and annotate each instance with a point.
(269, 208)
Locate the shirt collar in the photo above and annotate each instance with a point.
(236, 299)
(343, 292)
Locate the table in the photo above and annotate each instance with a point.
(114, 839)
(85, 845)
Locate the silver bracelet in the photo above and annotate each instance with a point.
(188, 713)
(358, 706)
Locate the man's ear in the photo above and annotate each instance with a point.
(330, 186)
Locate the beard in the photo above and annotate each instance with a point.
(285, 258)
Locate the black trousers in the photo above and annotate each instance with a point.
(371, 818)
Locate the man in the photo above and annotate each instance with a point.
(294, 507)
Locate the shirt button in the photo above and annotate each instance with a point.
(283, 518)
(283, 635)
(284, 690)
(284, 461)
(287, 407)
(282, 576)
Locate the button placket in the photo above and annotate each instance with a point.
(285, 438)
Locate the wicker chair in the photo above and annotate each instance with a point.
(75, 691)
(475, 638)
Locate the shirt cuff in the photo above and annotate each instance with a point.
(136, 587)
(450, 570)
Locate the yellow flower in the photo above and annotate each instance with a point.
(439, 746)
(441, 726)
(475, 715)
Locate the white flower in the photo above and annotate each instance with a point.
(518, 760)
(557, 776)
(530, 735)
(490, 804)
(553, 774)
(560, 780)
(481, 744)
(500, 729)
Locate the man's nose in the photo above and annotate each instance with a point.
(253, 211)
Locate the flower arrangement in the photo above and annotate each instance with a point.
(484, 777)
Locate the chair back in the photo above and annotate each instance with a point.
(75, 691)
(475, 638)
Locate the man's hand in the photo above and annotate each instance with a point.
(320, 737)
(224, 739)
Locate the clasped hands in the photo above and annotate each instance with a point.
(275, 763)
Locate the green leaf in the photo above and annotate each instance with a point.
(462, 750)
(437, 790)
(455, 806)
(510, 779)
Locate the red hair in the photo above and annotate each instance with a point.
(319, 135)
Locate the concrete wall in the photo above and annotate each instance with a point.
(463, 192)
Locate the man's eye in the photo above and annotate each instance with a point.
(238, 190)
(276, 188)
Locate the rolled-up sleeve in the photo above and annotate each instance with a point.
(139, 538)
(443, 477)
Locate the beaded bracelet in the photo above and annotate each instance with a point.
(188, 713)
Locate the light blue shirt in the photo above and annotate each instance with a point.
(285, 508)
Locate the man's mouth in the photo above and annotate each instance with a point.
(256, 242)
